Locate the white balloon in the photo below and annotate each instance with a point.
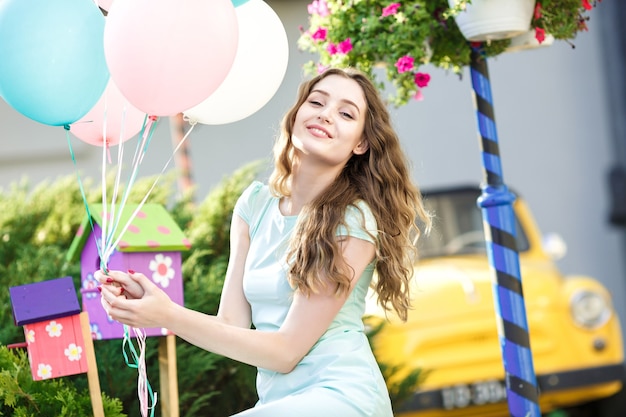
(257, 72)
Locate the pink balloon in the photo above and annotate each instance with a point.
(123, 121)
(104, 4)
(166, 56)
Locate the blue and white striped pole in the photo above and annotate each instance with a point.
(496, 203)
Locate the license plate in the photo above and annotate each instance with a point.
(478, 393)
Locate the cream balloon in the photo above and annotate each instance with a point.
(257, 72)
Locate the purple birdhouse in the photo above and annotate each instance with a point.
(151, 244)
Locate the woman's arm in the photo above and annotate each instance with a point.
(234, 308)
(307, 320)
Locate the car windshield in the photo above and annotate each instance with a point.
(458, 225)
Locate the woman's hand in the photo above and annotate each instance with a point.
(120, 282)
(148, 310)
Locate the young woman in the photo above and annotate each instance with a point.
(340, 206)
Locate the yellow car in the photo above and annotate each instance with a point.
(451, 334)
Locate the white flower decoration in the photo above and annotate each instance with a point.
(73, 352)
(95, 331)
(161, 266)
(30, 336)
(54, 329)
(44, 371)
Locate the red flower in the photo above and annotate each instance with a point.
(537, 13)
(422, 79)
(540, 35)
(586, 5)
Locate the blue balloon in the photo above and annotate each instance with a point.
(52, 65)
(238, 3)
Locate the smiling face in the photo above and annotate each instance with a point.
(328, 127)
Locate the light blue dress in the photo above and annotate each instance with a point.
(339, 376)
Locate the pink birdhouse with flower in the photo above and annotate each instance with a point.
(151, 244)
(50, 314)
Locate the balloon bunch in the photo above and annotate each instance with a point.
(107, 70)
(214, 61)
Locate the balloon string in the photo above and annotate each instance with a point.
(80, 186)
(140, 205)
(105, 216)
(142, 146)
(146, 135)
(118, 176)
(120, 158)
(137, 360)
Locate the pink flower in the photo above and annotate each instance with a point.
(318, 7)
(391, 9)
(422, 79)
(345, 46)
(320, 34)
(418, 95)
(332, 48)
(405, 63)
(321, 68)
(540, 35)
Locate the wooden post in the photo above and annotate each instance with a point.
(92, 368)
(168, 376)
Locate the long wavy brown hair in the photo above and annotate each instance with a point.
(381, 178)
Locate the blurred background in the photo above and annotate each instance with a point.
(559, 110)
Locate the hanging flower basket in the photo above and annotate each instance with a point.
(406, 37)
(487, 20)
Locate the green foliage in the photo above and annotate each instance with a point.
(20, 396)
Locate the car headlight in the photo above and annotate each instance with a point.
(590, 309)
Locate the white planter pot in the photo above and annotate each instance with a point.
(485, 20)
(527, 41)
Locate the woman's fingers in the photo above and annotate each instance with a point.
(131, 287)
(136, 312)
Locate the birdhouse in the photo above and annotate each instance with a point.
(152, 244)
(50, 314)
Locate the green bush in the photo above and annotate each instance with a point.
(20, 396)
